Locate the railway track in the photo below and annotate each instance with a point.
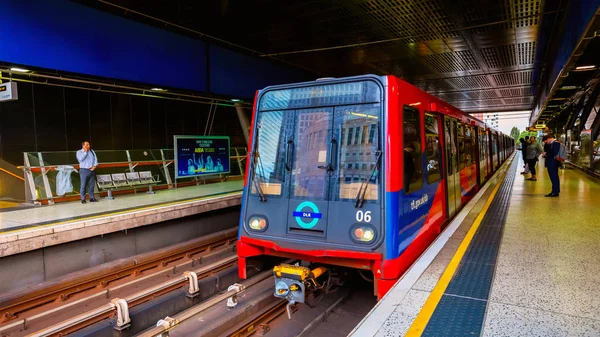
(46, 310)
(259, 313)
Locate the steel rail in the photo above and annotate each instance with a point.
(104, 310)
(195, 310)
(13, 304)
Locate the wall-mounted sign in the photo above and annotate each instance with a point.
(8, 92)
(201, 155)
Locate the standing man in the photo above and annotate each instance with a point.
(551, 148)
(87, 166)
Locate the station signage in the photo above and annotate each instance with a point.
(201, 155)
(8, 92)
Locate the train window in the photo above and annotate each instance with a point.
(269, 172)
(311, 146)
(413, 175)
(474, 146)
(462, 151)
(432, 149)
(363, 137)
(467, 155)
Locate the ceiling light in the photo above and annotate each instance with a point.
(235, 100)
(20, 70)
(585, 67)
(157, 89)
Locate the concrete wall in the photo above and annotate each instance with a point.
(44, 264)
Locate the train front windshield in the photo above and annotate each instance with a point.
(318, 150)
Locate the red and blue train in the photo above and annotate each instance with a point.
(361, 172)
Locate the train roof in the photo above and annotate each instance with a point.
(382, 80)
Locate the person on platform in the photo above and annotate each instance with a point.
(88, 161)
(534, 150)
(551, 148)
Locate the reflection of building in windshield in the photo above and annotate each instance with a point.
(358, 138)
(356, 134)
(269, 141)
(308, 128)
(312, 134)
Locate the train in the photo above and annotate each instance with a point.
(358, 173)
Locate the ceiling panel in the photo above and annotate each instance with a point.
(480, 53)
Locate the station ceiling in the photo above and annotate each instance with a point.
(479, 55)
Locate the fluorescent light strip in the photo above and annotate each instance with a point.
(20, 70)
(585, 67)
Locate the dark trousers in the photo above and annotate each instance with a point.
(531, 163)
(87, 179)
(553, 173)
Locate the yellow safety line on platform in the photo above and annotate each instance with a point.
(420, 323)
(119, 212)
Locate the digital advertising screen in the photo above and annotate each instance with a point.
(201, 155)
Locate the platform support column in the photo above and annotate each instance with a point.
(166, 170)
(46, 181)
(30, 190)
(244, 122)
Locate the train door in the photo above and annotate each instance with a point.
(335, 163)
(494, 146)
(310, 145)
(452, 172)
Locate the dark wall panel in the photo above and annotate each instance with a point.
(89, 41)
(175, 120)
(196, 118)
(100, 119)
(50, 118)
(140, 123)
(121, 122)
(158, 129)
(17, 126)
(240, 75)
(78, 117)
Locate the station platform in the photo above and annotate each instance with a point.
(23, 230)
(512, 263)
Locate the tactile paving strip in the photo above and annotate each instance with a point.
(461, 310)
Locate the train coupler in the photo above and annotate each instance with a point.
(293, 282)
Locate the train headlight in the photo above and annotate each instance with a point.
(362, 233)
(258, 223)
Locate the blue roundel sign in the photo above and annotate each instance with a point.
(307, 210)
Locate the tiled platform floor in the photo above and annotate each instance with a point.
(547, 279)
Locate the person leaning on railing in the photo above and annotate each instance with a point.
(88, 161)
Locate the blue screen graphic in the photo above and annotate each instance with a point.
(197, 156)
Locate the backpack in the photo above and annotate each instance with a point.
(561, 156)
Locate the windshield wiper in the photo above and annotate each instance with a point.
(255, 178)
(362, 191)
(288, 154)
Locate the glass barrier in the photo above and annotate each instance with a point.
(53, 176)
